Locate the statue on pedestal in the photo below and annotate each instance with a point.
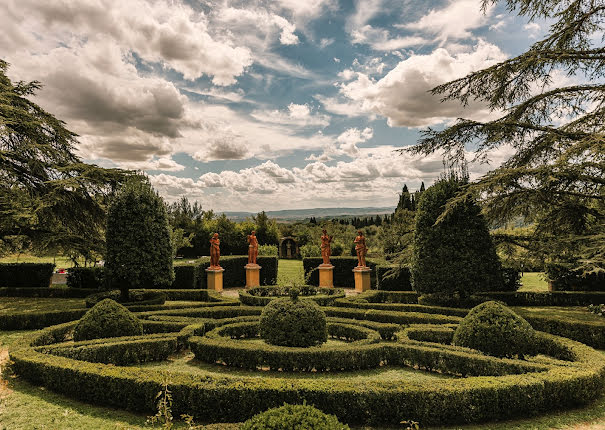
(215, 252)
(326, 251)
(252, 247)
(361, 249)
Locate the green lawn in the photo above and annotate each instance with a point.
(533, 281)
(60, 262)
(290, 272)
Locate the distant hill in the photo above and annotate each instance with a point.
(301, 214)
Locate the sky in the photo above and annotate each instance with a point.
(260, 105)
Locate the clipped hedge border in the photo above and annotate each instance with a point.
(261, 296)
(26, 275)
(587, 332)
(551, 298)
(224, 399)
(53, 292)
(235, 273)
(86, 277)
(219, 345)
(37, 320)
(400, 307)
(399, 281)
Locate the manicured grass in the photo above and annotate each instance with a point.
(533, 281)
(61, 262)
(290, 272)
(32, 304)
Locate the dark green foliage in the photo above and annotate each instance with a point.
(392, 278)
(511, 279)
(184, 277)
(135, 297)
(235, 273)
(591, 333)
(565, 279)
(139, 253)
(288, 322)
(496, 330)
(294, 417)
(55, 292)
(455, 254)
(26, 275)
(260, 296)
(555, 298)
(597, 309)
(343, 271)
(86, 277)
(107, 319)
(37, 320)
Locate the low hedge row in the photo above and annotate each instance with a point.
(390, 316)
(37, 320)
(219, 346)
(222, 399)
(26, 275)
(554, 298)
(119, 351)
(53, 292)
(588, 332)
(261, 296)
(342, 272)
(374, 296)
(135, 298)
(195, 295)
(86, 277)
(563, 279)
(401, 307)
(390, 279)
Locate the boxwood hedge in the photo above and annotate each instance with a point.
(26, 275)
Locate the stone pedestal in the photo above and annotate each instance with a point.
(326, 275)
(362, 278)
(215, 279)
(252, 275)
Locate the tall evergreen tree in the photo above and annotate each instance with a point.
(555, 178)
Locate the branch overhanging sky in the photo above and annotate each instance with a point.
(259, 105)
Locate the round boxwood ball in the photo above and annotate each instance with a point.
(293, 322)
(107, 319)
(294, 417)
(496, 330)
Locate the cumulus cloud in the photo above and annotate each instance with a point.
(402, 95)
(345, 144)
(298, 115)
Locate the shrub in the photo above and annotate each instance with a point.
(86, 277)
(294, 417)
(184, 277)
(597, 309)
(267, 250)
(454, 255)
(563, 279)
(555, 298)
(139, 252)
(293, 322)
(391, 278)
(511, 279)
(310, 250)
(107, 319)
(496, 330)
(337, 249)
(26, 275)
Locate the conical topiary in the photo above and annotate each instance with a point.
(107, 319)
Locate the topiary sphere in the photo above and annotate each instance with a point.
(107, 319)
(495, 330)
(293, 322)
(294, 417)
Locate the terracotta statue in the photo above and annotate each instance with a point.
(326, 252)
(215, 252)
(252, 247)
(361, 249)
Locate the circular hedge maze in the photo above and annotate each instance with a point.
(378, 366)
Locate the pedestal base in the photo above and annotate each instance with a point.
(215, 279)
(252, 275)
(326, 275)
(362, 279)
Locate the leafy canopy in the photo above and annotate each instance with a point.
(554, 179)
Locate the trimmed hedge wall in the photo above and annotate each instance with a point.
(36, 320)
(54, 292)
(86, 277)
(563, 279)
(401, 281)
(26, 275)
(554, 298)
(235, 273)
(440, 401)
(588, 332)
(343, 271)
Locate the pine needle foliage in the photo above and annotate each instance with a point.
(555, 176)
